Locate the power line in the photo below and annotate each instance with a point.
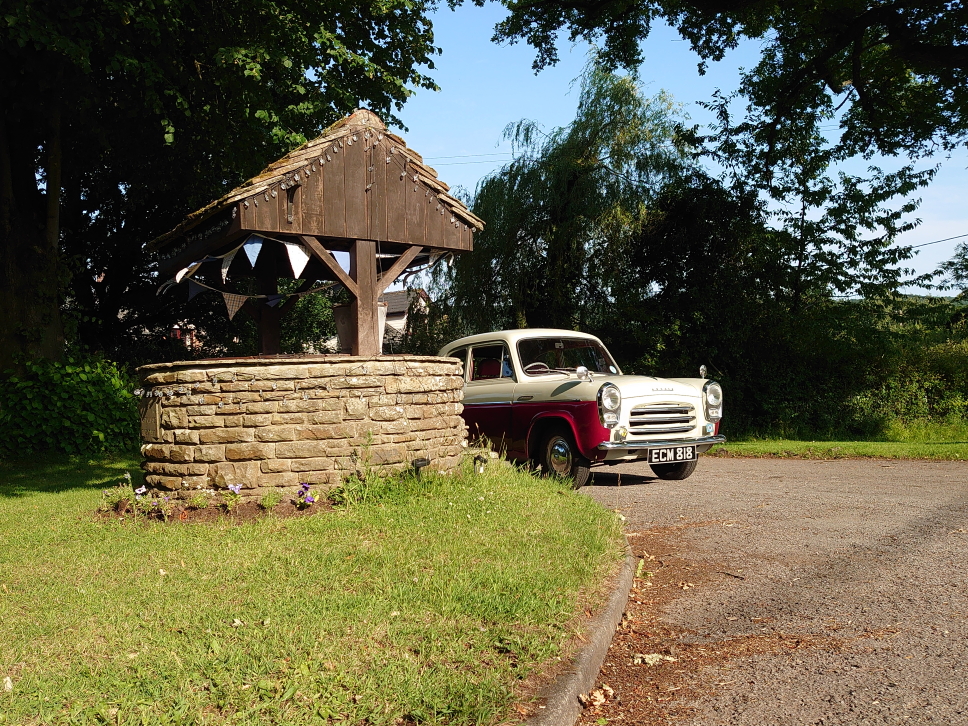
(946, 239)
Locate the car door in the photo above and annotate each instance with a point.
(488, 392)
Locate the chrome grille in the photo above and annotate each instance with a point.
(662, 418)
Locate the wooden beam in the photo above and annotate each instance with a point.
(398, 267)
(363, 310)
(326, 257)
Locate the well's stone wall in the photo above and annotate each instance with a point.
(270, 423)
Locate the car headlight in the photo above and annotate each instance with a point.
(712, 394)
(609, 404)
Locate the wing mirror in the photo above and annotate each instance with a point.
(702, 371)
(583, 374)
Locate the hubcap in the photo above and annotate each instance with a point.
(560, 457)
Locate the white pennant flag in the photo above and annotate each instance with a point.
(233, 302)
(227, 262)
(298, 258)
(253, 246)
(188, 271)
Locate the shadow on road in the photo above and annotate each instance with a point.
(605, 478)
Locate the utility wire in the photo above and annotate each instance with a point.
(946, 239)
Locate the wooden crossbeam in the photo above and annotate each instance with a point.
(398, 267)
(326, 257)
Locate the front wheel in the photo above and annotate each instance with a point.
(559, 456)
(679, 470)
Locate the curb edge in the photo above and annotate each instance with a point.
(563, 707)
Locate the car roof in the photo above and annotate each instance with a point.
(513, 336)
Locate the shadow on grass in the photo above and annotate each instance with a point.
(59, 473)
(616, 479)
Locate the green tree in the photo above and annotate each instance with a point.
(117, 118)
(897, 69)
(566, 198)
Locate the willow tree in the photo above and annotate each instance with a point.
(554, 211)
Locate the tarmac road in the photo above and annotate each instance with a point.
(792, 592)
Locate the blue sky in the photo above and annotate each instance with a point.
(484, 87)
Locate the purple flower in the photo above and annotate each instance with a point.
(141, 490)
(236, 488)
(310, 499)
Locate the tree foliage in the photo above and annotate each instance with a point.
(118, 118)
(782, 278)
(898, 69)
(554, 211)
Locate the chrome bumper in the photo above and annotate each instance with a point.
(635, 445)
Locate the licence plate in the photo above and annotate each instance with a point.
(669, 454)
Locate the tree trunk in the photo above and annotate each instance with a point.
(30, 321)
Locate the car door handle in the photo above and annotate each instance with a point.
(525, 398)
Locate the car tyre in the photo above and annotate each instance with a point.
(677, 471)
(558, 456)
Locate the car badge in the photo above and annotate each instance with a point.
(662, 389)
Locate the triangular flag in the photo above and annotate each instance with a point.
(227, 262)
(253, 246)
(274, 300)
(163, 287)
(298, 258)
(233, 303)
(194, 288)
(188, 271)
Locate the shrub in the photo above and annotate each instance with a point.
(74, 407)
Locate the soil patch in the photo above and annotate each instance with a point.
(648, 677)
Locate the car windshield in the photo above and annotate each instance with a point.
(541, 356)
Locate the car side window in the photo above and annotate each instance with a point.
(489, 362)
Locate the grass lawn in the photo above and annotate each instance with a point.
(428, 606)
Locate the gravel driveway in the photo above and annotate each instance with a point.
(792, 592)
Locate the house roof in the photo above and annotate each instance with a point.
(362, 126)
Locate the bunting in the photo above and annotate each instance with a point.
(233, 302)
(298, 258)
(193, 289)
(227, 263)
(253, 246)
(274, 300)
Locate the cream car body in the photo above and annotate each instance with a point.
(550, 396)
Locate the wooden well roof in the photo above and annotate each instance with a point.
(355, 182)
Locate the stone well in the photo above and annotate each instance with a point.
(273, 423)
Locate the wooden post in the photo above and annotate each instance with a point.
(270, 319)
(363, 309)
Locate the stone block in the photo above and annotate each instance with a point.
(244, 473)
(259, 419)
(186, 436)
(300, 449)
(276, 433)
(413, 412)
(297, 406)
(289, 419)
(387, 413)
(324, 417)
(338, 431)
(260, 407)
(272, 466)
(275, 386)
(244, 452)
(174, 418)
(206, 422)
(226, 436)
(231, 421)
(202, 409)
(354, 408)
(180, 470)
(155, 451)
(210, 453)
(159, 379)
(318, 464)
(234, 387)
(190, 376)
(354, 382)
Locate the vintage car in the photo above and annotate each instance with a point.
(557, 398)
